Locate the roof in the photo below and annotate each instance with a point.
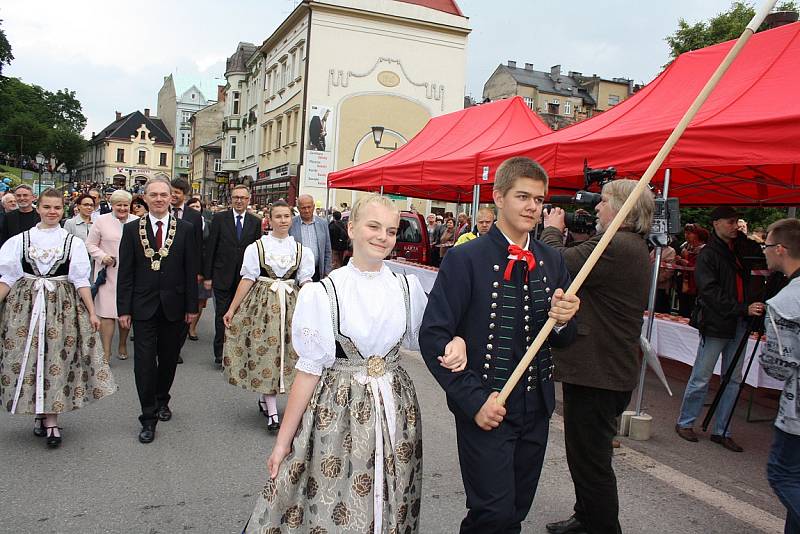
(238, 61)
(549, 82)
(440, 162)
(742, 147)
(126, 126)
(446, 6)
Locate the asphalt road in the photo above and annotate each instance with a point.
(206, 466)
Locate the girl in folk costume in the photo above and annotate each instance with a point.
(49, 362)
(258, 354)
(348, 457)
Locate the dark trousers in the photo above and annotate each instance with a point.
(222, 301)
(500, 470)
(155, 356)
(589, 427)
(783, 473)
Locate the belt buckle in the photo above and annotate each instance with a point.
(376, 366)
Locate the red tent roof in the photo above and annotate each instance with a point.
(440, 162)
(743, 147)
(448, 6)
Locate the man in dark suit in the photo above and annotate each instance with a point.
(181, 189)
(157, 294)
(21, 219)
(312, 232)
(496, 293)
(231, 231)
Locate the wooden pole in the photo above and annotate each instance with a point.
(638, 190)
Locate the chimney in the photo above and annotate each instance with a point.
(555, 71)
(146, 112)
(119, 115)
(92, 137)
(575, 74)
(528, 66)
(512, 64)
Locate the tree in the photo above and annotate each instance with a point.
(5, 50)
(67, 146)
(65, 110)
(723, 27)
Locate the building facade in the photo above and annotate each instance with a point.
(207, 177)
(309, 95)
(127, 152)
(560, 99)
(176, 112)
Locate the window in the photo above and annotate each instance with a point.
(236, 102)
(552, 106)
(567, 108)
(162, 160)
(142, 156)
(186, 116)
(183, 162)
(121, 155)
(529, 102)
(299, 63)
(278, 132)
(284, 74)
(233, 147)
(217, 165)
(142, 135)
(613, 100)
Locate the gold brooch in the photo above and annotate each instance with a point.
(376, 366)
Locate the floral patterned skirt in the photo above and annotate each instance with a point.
(325, 485)
(75, 373)
(251, 357)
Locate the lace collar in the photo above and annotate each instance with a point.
(369, 275)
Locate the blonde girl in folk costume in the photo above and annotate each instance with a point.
(348, 457)
(258, 353)
(49, 357)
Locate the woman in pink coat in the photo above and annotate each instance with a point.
(103, 246)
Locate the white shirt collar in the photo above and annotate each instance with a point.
(527, 242)
(235, 214)
(154, 219)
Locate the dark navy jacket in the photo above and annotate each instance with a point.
(497, 319)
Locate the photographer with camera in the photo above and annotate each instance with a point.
(600, 370)
(721, 314)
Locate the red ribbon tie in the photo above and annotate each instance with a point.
(521, 254)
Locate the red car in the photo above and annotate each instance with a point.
(412, 240)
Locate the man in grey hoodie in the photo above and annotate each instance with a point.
(780, 359)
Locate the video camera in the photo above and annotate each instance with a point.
(582, 221)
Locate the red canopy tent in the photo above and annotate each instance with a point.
(440, 162)
(743, 147)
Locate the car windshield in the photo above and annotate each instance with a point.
(409, 231)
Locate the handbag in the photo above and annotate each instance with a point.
(99, 281)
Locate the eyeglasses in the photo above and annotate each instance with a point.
(240, 198)
(765, 246)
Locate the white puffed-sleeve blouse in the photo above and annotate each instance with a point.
(46, 246)
(372, 315)
(280, 255)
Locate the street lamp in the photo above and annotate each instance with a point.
(377, 135)
(40, 159)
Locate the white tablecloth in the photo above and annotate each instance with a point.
(678, 341)
(426, 275)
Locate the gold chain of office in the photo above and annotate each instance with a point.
(163, 252)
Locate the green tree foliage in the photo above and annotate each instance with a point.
(5, 50)
(757, 218)
(723, 27)
(48, 122)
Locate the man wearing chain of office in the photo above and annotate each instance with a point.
(497, 292)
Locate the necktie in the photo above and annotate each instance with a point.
(159, 235)
(176, 212)
(521, 254)
(239, 227)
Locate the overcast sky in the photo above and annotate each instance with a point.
(115, 54)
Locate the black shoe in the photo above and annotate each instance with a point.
(38, 426)
(274, 425)
(218, 363)
(180, 360)
(147, 434)
(164, 413)
(193, 338)
(568, 526)
(726, 442)
(53, 441)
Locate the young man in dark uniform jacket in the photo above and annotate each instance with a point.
(497, 292)
(157, 293)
